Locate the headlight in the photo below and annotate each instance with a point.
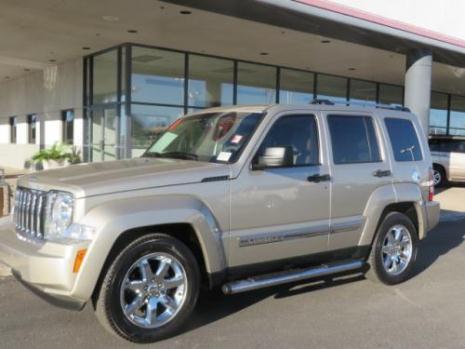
(58, 214)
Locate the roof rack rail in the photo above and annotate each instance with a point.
(322, 102)
(392, 107)
(360, 104)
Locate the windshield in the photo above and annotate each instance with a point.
(213, 137)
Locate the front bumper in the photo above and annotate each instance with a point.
(46, 268)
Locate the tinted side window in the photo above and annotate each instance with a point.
(353, 139)
(299, 132)
(441, 145)
(404, 140)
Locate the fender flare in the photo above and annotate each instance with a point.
(387, 195)
(116, 217)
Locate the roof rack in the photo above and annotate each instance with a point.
(348, 103)
(322, 102)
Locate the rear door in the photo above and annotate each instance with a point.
(359, 167)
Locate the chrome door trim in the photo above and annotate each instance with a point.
(269, 238)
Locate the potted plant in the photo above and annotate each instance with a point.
(56, 156)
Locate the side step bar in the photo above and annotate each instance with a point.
(268, 280)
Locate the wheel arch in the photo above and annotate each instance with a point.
(123, 221)
(404, 198)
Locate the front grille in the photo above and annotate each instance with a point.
(29, 212)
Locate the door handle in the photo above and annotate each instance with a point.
(319, 178)
(381, 173)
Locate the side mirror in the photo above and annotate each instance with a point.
(274, 157)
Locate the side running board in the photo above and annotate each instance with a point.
(268, 280)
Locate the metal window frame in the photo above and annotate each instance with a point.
(126, 49)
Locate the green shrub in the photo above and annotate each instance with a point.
(58, 152)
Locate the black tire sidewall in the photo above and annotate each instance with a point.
(119, 269)
(389, 221)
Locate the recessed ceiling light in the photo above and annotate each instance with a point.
(325, 41)
(86, 48)
(264, 53)
(132, 31)
(110, 18)
(185, 12)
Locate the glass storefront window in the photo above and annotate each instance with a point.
(362, 92)
(296, 87)
(256, 84)
(147, 124)
(332, 88)
(438, 114)
(105, 77)
(211, 81)
(157, 76)
(391, 94)
(457, 116)
(117, 129)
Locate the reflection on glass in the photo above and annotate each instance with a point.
(296, 87)
(210, 81)
(105, 77)
(390, 94)
(438, 114)
(457, 116)
(157, 76)
(105, 134)
(148, 122)
(362, 92)
(256, 84)
(332, 88)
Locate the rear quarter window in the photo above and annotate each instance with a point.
(404, 140)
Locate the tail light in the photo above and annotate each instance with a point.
(431, 185)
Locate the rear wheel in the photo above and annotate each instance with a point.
(150, 289)
(394, 250)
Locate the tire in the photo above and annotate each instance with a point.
(387, 251)
(439, 176)
(156, 272)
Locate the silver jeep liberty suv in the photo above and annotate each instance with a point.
(239, 198)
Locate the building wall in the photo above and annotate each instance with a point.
(45, 93)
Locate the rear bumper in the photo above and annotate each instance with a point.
(433, 213)
(46, 268)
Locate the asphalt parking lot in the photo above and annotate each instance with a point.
(426, 312)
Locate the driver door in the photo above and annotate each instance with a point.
(282, 213)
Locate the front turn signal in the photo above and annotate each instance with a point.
(78, 260)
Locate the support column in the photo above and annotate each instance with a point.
(418, 85)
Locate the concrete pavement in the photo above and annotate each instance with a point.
(428, 311)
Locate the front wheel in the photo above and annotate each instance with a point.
(150, 289)
(394, 250)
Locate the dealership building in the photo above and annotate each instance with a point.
(107, 76)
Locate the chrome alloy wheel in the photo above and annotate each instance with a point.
(397, 250)
(437, 177)
(153, 290)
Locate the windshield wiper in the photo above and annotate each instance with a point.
(173, 154)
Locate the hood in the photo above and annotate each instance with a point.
(123, 175)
